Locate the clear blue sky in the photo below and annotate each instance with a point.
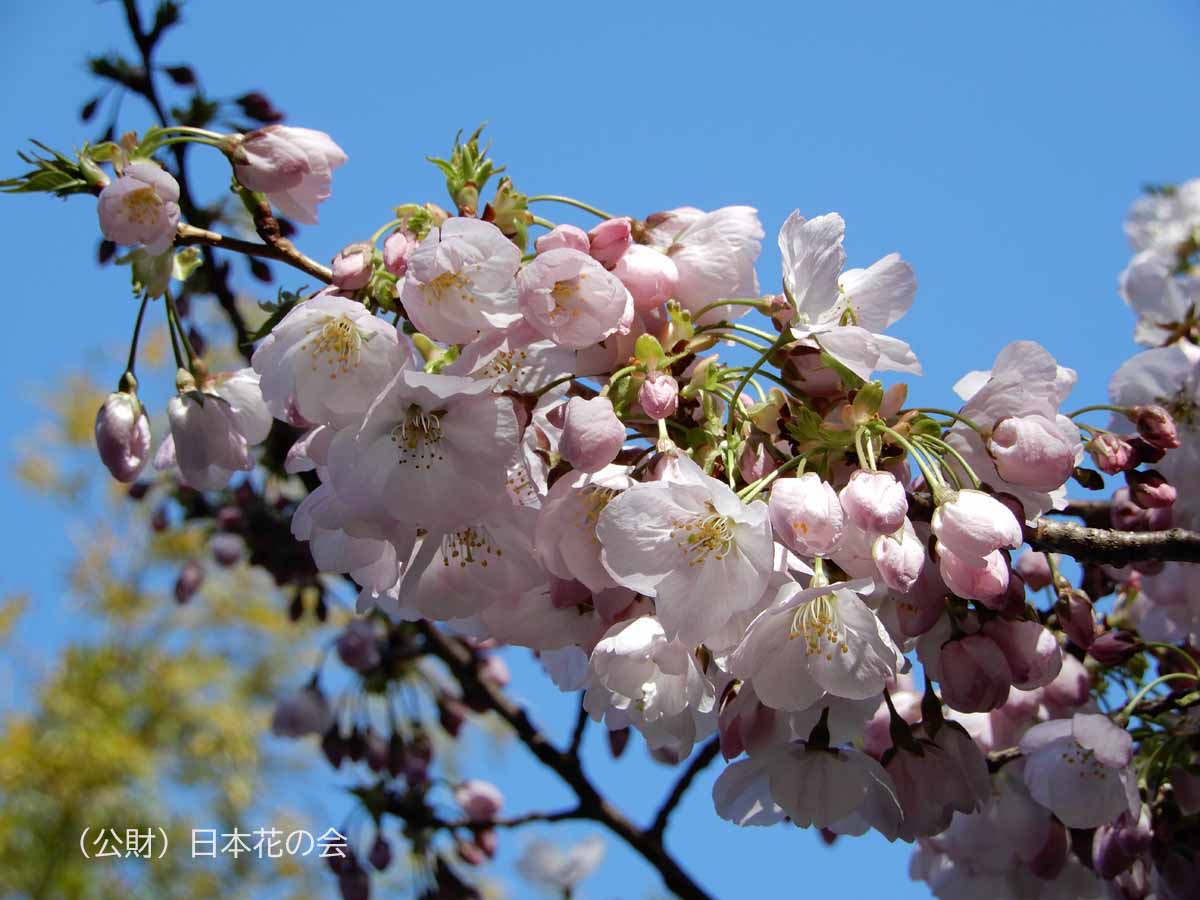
(997, 148)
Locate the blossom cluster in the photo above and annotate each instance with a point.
(549, 450)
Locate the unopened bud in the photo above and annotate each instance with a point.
(123, 436)
(1149, 489)
(352, 267)
(1076, 617)
(659, 395)
(609, 240)
(1156, 426)
(190, 577)
(1111, 453)
(1114, 648)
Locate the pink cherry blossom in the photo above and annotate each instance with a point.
(874, 501)
(806, 515)
(659, 395)
(461, 281)
(971, 524)
(899, 557)
(1033, 451)
(480, 801)
(984, 580)
(397, 251)
(1032, 653)
(352, 267)
(141, 207)
(572, 300)
(609, 240)
(650, 276)
(570, 236)
(592, 434)
(975, 675)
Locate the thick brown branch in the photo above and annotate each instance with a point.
(699, 762)
(1113, 547)
(281, 251)
(461, 662)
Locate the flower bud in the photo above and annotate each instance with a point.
(569, 236)
(1076, 617)
(397, 250)
(649, 275)
(227, 549)
(806, 515)
(1114, 648)
(1032, 653)
(1144, 453)
(592, 434)
(1031, 451)
(301, 713)
(874, 502)
(899, 558)
(1050, 859)
(381, 854)
(1156, 426)
(609, 240)
(190, 577)
(1111, 453)
(1126, 515)
(480, 800)
(975, 674)
(755, 462)
(1116, 844)
(123, 436)
(352, 267)
(659, 395)
(357, 646)
(972, 524)
(1035, 569)
(1149, 490)
(985, 580)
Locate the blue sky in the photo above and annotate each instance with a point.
(997, 148)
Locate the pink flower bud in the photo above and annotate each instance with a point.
(1035, 569)
(1144, 453)
(659, 395)
(190, 577)
(569, 236)
(352, 267)
(1076, 617)
(592, 434)
(141, 207)
(1126, 515)
(397, 250)
(649, 275)
(755, 462)
(806, 515)
(292, 166)
(971, 524)
(1032, 451)
(1114, 648)
(975, 674)
(874, 501)
(1149, 490)
(899, 558)
(609, 240)
(1156, 426)
(381, 854)
(984, 580)
(1049, 861)
(1116, 844)
(358, 646)
(480, 800)
(302, 713)
(1032, 653)
(1111, 453)
(123, 436)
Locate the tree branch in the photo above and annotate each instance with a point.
(561, 815)
(280, 251)
(461, 662)
(699, 762)
(581, 721)
(1113, 547)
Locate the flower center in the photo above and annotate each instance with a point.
(564, 294)
(419, 437)
(450, 282)
(818, 622)
(1089, 766)
(704, 536)
(336, 344)
(468, 547)
(142, 205)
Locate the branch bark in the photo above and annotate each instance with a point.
(1105, 545)
(281, 251)
(461, 662)
(699, 762)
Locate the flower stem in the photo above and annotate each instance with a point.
(1127, 711)
(958, 417)
(1099, 407)
(762, 304)
(947, 448)
(751, 491)
(379, 231)
(137, 330)
(569, 201)
(758, 364)
(545, 223)
(936, 485)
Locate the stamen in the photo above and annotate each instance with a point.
(450, 281)
(419, 437)
(336, 345)
(142, 205)
(468, 547)
(704, 536)
(818, 622)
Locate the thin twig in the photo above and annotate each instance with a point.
(699, 762)
(281, 251)
(581, 721)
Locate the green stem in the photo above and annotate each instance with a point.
(1099, 407)
(948, 414)
(379, 231)
(569, 201)
(758, 364)
(617, 376)
(737, 339)
(545, 223)
(553, 384)
(751, 491)
(137, 330)
(859, 451)
(947, 448)
(762, 304)
(1191, 660)
(173, 318)
(1127, 711)
(937, 486)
